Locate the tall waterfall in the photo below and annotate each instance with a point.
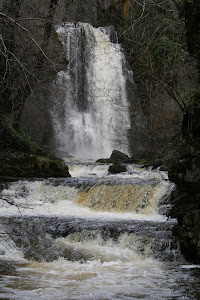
(90, 110)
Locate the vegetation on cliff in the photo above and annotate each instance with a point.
(21, 157)
(154, 35)
(185, 171)
(29, 51)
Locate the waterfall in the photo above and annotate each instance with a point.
(90, 110)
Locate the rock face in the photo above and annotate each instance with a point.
(189, 235)
(95, 12)
(186, 174)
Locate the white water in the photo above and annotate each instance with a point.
(91, 194)
(52, 247)
(90, 109)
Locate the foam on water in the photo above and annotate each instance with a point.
(91, 254)
(126, 195)
(112, 279)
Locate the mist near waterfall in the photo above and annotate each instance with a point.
(90, 110)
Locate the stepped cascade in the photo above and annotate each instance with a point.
(92, 236)
(90, 109)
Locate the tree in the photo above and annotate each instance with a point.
(26, 55)
(154, 37)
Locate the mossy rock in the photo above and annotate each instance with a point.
(117, 168)
(22, 157)
(16, 141)
(32, 166)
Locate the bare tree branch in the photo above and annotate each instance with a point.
(29, 35)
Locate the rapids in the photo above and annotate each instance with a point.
(92, 236)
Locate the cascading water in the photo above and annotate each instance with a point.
(90, 110)
(92, 236)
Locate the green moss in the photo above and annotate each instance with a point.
(16, 141)
(22, 157)
(32, 166)
(142, 162)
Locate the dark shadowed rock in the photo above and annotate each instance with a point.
(104, 160)
(117, 168)
(189, 237)
(118, 156)
(32, 166)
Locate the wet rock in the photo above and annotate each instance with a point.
(104, 160)
(117, 168)
(186, 172)
(118, 156)
(189, 236)
(162, 168)
(32, 166)
(7, 268)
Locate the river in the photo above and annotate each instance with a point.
(92, 236)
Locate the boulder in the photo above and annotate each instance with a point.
(117, 168)
(118, 156)
(32, 166)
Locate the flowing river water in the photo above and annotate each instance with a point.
(92, 236)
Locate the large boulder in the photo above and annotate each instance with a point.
(120, 157)
(116, 157)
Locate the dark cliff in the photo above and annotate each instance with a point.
(185, 171)
(31, 55)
